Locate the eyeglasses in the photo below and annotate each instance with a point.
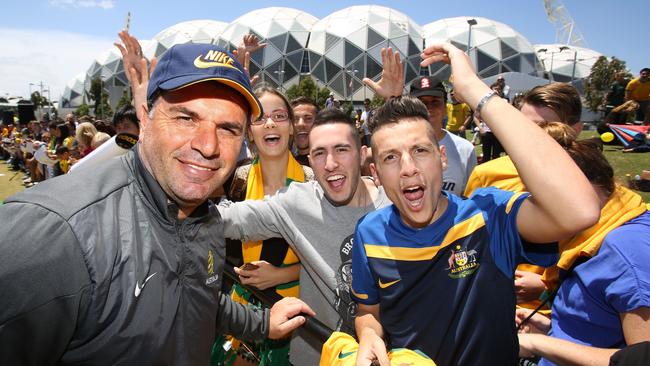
(277, 116)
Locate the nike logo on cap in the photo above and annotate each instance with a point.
(213, 60)
(139, 288)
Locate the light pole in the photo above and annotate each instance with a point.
(350, 84)
(470, 22)
(280, 74)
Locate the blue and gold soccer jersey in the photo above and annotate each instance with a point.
(447, 289)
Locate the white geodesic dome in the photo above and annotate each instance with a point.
(109, 67)
(566, 63)
(286, 32)
(73, 94)
(345, 47)
(193, 31)
(495, 47)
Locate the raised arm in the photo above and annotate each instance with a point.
(135, 68)
(391, 83)
(563, 201)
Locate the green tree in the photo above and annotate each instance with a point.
(377, 101)
(601, 78)
(124, 100)
(83, 110)
(38, 100)
(98, 94)
(308, 88)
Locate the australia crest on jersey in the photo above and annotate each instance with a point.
(462, 262)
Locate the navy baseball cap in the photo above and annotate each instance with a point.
(187, 64)
(427, 86)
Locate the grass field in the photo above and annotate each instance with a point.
(10, 182)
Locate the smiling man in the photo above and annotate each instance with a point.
(317, 219)
(124, 267)
(434, 272)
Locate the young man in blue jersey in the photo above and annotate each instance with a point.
(434, 272)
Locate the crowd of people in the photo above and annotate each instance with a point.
(382, 228)
(46, 149)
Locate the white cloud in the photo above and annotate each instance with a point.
(53, 57)
(104, 4)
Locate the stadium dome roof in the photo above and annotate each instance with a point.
(558, 61)
(109, 67)
(193, 31)
(345, 47)
(495, 47)
(286, 32)
(73, 94)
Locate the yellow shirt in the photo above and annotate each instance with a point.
(456, 115)
(638, 91)
(500, 173)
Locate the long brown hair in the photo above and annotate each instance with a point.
(587, 155)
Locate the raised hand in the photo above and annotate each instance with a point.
(468, 87)
(135, 67)
(391, 83)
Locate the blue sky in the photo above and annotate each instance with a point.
(54, 40)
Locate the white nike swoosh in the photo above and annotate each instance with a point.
(139, 288)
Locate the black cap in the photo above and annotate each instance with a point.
(427, 86)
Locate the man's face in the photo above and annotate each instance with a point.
(191, 144)
(303, 120)
(69, 118)
(643, 75)
(127, 126)
(409, 165)
(335, 159)
(35, 127)
(437, 109)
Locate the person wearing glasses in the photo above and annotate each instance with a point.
(271, 265)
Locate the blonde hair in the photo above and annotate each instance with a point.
(99, 138)
(85, 133)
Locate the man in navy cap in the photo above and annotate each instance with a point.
(125, 265)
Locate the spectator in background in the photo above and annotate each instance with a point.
(99, 139)
(458, 116)
(616, 94)
(304, 113)
(71, 122)
(103, 126)
(329, 102)
(84, 136)
(63, 164)
(36, 130)
(126, 120)
(63, 136)
(639, 90)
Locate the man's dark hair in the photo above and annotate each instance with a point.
(396, 109)
(335, 115)
(644, 69)
(61, 150)
(127, 112)
(303, 100)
